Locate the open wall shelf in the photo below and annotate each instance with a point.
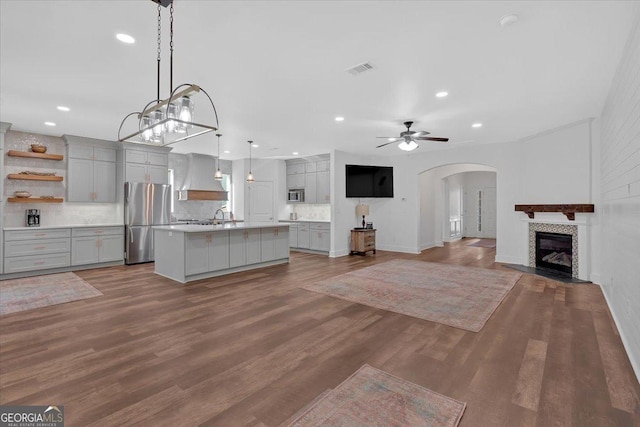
(568, 210)
(14, 153)
(34, 177)
(33, 200)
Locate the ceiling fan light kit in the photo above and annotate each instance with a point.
(166, 121)
(408, 138)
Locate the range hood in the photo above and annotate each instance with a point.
(199, 183)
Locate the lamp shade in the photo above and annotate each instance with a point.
(362, 210)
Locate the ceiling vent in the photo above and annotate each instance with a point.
(359, 69)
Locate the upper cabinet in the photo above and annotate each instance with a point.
(91, 170)
(313, 175)
(147, 165)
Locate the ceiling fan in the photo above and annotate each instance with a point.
(408, 138)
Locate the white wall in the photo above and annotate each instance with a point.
(519, 166)
(620, 194)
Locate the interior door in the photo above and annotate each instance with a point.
(260, 197)
(488, 213)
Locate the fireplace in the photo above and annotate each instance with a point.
(554, 251)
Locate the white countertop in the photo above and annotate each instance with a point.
(194, 228)
(323, 221)
(49, 227)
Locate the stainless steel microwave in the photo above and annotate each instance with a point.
(295, 196)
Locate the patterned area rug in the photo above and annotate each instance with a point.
(484, 243)
(371, 397)
(463, 297)
(41, 291)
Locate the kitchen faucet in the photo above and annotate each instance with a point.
(215, 221)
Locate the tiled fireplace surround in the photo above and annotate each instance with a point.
(558, 223)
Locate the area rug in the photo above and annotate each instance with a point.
(484, 243)
(371, 397)
(41, 291)
(462, 297)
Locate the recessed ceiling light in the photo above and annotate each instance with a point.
(476, 125)
(442, 94)
(339, 119)
(227, 152)
(49, 123)
(63, 108)
(255, 145)
(125, 38)
(295, 153)
(508, 19)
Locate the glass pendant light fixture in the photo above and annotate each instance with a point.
(250, 176)
(218, 174)
(167, 121)
(408, 146)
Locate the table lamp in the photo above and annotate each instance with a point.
(363, 210)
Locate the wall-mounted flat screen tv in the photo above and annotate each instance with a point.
(369, 181)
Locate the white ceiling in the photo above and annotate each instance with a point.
(276, 70)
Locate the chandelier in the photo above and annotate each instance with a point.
(166, 121)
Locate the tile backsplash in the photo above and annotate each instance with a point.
(50, 213)
(320, 212)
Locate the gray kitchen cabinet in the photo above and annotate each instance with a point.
(323, 166)
(320, 237)
(146, 166)
(303, 235)
(91, 172)
(274, 243)
(206, 252)
(295, 181)
(244, 247)
(31, 250)
(95, 245)
(310, 188)
(323, 187)
(293, 235)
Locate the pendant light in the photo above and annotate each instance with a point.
(218, 175)
(167, 121)
(250, 176)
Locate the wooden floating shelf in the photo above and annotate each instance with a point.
(30, 154)
(568, 210)
(34, 177)
(33, 200)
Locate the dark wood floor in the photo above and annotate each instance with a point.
(253, 348)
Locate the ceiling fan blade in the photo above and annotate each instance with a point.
(387, 143)
(388, 137)
(421, 133)
(431, 138)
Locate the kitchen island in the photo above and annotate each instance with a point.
(185, 253)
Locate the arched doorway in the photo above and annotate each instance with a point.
(457, 200)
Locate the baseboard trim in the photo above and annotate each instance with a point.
(426, 246)
(634, 363)
(402, 249)
(509, 259)
(339, 253)
(596, 278)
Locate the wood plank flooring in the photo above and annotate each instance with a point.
(252, 349)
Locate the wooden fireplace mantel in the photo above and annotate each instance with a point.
(568, 210)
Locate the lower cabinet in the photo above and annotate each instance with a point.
(244, 247)
(303, 235)
(94, 245)
(274, 243)
(206, 252)
(293, 235)
(320, 237)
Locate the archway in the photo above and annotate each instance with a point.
(438, 185)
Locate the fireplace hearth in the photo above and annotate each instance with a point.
(554, 251)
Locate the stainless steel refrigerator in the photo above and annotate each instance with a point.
(145, 205)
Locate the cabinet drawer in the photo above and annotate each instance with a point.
(296, 168)
(80, 152)
(36, 262)
(322, 166)
(54, 233)
(310, 167)
(104, 154)
(159, 159)
(320, 227)
(96, 231)
(35, 247)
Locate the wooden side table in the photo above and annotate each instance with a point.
(362, 241)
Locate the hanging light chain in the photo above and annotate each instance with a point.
(171, 47)
(159, 50)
